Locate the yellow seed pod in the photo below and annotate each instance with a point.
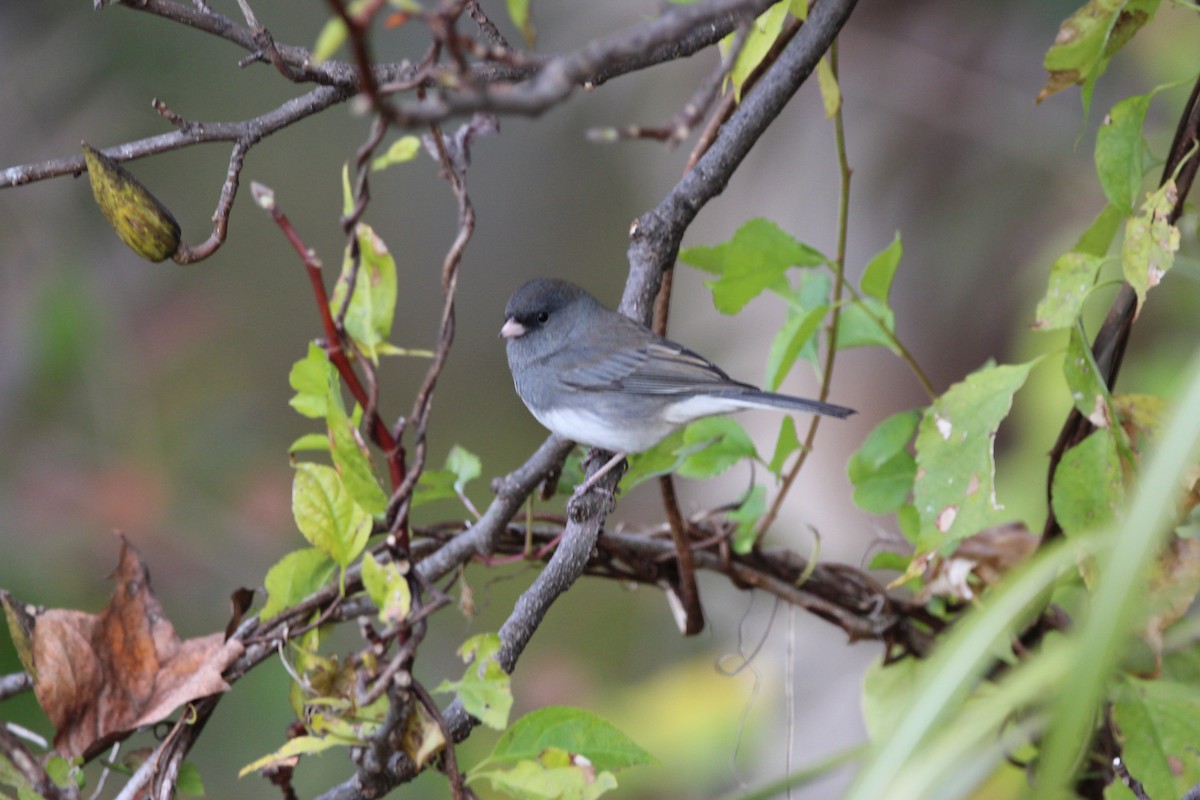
(138, 217)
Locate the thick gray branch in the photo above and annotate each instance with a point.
(657, 233)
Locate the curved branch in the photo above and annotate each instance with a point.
(249, 132)
(677, 33)
(186, 254)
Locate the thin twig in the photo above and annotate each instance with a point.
(839, 284)
(380, 433)
(189, 255)
(418, 420)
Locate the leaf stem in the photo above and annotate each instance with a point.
(839, 287)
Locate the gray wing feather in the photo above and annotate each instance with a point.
(652, 368)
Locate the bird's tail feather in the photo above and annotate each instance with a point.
(786, 401)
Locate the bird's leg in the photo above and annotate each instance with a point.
(582, 488)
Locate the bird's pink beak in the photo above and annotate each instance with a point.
(512, 329)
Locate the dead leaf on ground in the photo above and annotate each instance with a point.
(100, 677)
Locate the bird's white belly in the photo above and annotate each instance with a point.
(631, 436)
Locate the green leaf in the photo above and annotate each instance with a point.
(882, 470)
(465, 465)
(389, 349)
(1118, 605)
(813, 290)
(519, 13)
(890, 437)
(388, 589)
(747, 516)
(189, 781)
(573, 730)
(1088, 39)
(888, 487)
(373, 302)
(310, 442)
(65, 772)
(347, 192)
(332, 36)
(351, 459)
(1072, 278)
(757, 44)
(295, 577)
(888, 560)
(462, 467)
(955, 490)
(727, 443)
(311, 377)
(530, 780)
(877, 278)
(661, 459)
(908, 520)
(401, 151)
(1119, 149)
(867, 323)
(484, 690)
(831, 93)
(755, 259)
(703, 449)
(1099, 236)
(434, 485)
(1088, 487)
(1160, 725)
(1150, 242)
(785, 444)
(299, 746)
(795, 334)
(1089, 392)
(887, 690)
(335, 727)
(326, 513)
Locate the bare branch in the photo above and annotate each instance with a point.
(189, 255)
(678, 33)
(250, 132)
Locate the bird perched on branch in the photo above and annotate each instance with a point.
(598, 378)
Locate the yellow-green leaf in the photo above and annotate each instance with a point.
(1151, 242)
(388, 589)
(401, 151)
(831, 93)
(373, 301)
(327, 515)
(140, 220)
(300, 746)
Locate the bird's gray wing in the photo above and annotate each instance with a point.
(655, 367)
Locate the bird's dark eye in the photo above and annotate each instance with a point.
(543, 317)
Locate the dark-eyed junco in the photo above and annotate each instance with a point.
(598, 378)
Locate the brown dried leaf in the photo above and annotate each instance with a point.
(986, 556)
(99, 677)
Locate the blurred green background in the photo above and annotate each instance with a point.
(152, 399)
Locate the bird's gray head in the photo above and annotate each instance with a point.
(541, 315)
